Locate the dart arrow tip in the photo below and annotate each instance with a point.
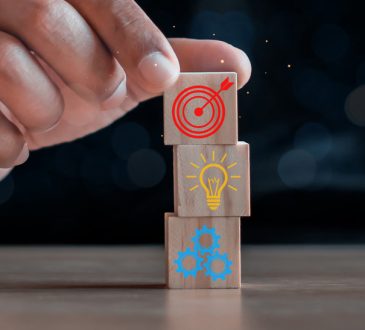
(226, 84)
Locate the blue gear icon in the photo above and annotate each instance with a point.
(188, 272)
(227, 264)
(196, 240)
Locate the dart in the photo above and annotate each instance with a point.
(199, 111)
(225, 85)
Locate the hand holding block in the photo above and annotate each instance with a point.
(201, 108)
(212, 180)
(203, 252)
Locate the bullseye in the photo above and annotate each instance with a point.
(199, 111)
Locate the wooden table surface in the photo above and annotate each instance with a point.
(286, 287)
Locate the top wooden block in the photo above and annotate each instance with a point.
(201, 108)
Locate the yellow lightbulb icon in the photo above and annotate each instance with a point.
(213, 177)
(212, 184)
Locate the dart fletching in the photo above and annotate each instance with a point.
(226, 84)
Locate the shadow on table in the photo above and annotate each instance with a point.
(80, 286)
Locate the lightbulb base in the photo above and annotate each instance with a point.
(213, 203)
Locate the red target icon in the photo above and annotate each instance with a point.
(199, 111)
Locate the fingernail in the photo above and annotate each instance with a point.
(117, 97)
(157, 70)
(23, 156)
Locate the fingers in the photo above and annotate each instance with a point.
(211, 56)
(199, 56)
(13, 149)
(135, 41)
(25, 89)
(62, 37)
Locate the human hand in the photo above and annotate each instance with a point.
(69, 68)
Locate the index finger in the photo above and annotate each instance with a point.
(136, 42)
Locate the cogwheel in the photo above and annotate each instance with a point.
(196, 240)
(180, 259)
(226, 270)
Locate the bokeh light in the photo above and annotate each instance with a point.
(297, 168)
(301, 112)
(315, 139)
(146, 168)
(330, 43)
(121, 176)
(129, 137)
(355, 106)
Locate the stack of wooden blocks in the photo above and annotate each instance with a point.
(211, 182)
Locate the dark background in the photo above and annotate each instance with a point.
(303, 113)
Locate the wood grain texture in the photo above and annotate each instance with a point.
(122, 287)
(192, 199)
(179, 238)
(228, 131)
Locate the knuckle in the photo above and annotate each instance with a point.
(126, 15)
(41, 14)
(12, 54)
(132, 23)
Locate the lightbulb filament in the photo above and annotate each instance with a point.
(213, 184)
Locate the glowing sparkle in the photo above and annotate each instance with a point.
(267, 41)
(174, 26)
(248, 92)
(289, 66)
(155, 65)
(222, 60)
(213, 34)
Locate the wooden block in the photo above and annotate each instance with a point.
(201, 108)
(202, 252)
(212, 180)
